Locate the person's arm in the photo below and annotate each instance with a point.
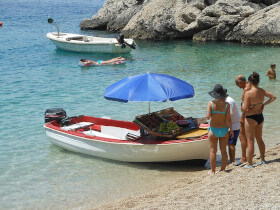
(246, 103)
(232, 104)
(208, 113)
(267, 73)
(270, 96)
(228, 119)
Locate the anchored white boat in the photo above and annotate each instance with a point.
(121, 140)
(90, 44)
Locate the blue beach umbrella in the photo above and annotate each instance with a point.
(149, 87)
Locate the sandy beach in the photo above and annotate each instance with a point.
(236, 188)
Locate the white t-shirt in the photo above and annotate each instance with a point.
(234, 113)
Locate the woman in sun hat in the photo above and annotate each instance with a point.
(219, 112)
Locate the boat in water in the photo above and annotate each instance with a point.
(122, 140)
(90, 44)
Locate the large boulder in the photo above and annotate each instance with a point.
(261, 27)
(249, 21)
(114, 15)
(164, 19)
(154, 21)
(227, 13)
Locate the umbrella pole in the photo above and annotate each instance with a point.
(149, 108)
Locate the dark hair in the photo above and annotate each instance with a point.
(83, 60)
(254, 78)
(242, 79)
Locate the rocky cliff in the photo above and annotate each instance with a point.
(247, 21)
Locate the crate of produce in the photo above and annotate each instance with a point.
(157, 126)
(170, 114)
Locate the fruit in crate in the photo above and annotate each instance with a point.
(168, 128)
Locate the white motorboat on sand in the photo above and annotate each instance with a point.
(123, 140)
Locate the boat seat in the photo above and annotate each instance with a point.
(99, 134)
(77, 126)
(120, 133)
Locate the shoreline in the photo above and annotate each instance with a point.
(236, 188)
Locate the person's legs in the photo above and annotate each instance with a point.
(106, 62)
(213, 140)
(231, 152)
(259, 139)
(121, 58)
(243, 142)
(223, 147)
(231, 145)
(113, 60)
(117, 59)
(250, 134)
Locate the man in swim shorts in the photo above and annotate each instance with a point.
(235, 118)
(241, 82)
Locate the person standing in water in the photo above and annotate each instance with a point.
(271, 72)
(253, 107)
(218, 111)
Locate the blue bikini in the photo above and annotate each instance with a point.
(219, 132)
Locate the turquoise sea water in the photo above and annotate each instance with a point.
(35, 76)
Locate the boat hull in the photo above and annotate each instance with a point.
(132, 151)
(87, 44)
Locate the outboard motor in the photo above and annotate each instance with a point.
(56, 114)
(120, 39)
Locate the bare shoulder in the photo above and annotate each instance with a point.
(247, 88)
(247, 91)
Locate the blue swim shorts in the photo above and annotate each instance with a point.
(235, 137)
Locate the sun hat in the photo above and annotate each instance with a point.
(218, 92)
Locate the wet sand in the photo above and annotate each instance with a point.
(236, 188)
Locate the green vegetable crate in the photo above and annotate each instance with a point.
(161, 123)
